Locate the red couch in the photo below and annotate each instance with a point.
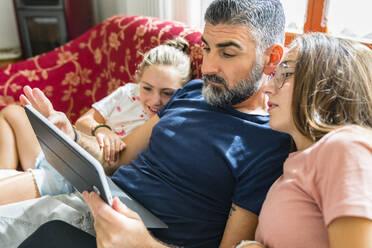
(90, 67)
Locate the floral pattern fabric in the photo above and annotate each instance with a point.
(90, 67)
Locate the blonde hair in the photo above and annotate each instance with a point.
(333, 84)
(173, 53)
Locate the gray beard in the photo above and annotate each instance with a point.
(227, 97)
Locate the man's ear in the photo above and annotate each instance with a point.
(274, 55)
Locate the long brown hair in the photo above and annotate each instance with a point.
(333, 84)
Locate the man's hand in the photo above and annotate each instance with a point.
(41, 103)
(118, 226)
(250, 244)
(110, 142)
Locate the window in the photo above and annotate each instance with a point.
(342, 18)
(295, 12)
(350, 20)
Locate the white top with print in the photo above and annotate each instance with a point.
(122, 110)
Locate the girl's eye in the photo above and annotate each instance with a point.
(147, 88)
(168, 93)
(287, 74)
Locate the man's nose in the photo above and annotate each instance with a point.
(210, 64)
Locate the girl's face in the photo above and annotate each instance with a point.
(157, 85)
(280, 90)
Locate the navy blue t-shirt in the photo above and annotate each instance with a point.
(199, 160)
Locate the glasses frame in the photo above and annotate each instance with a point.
(279, 78)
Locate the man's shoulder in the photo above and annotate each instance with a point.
(193, 85)
(192, 89)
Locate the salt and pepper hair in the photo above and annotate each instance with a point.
(265, 18)
(173, 53)
(332, 84)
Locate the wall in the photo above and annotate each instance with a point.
(106, 8)
(9, 38)
(188, 11)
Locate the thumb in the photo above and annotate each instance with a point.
(123, 209)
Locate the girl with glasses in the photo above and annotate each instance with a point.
(321, 94)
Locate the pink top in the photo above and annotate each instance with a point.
(330, 179)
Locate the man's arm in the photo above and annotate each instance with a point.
(241, 225)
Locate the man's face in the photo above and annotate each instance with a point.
(231, 70)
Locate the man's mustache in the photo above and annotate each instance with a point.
(215, 79)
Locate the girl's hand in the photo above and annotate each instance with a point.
(110, 142)
(41, 103)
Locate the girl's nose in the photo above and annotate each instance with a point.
(269, 87)
(156, 99)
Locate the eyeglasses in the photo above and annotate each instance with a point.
(281, 76)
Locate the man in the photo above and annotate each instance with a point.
(212, 156)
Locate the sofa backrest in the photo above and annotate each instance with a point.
(93, 65)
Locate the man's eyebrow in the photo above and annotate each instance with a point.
(204, 41)
(229, 43)
(223, 44)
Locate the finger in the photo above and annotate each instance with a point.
(100, 210)
(28, 92)
(117, 146)
(23, 99)
(118, 149)
(43, 102)
(123, 209)
(94, 202)
(107, 149)
(113, 150)
(89, 201)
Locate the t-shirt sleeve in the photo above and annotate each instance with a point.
(255, 179)
(106, 105)
(344, 177)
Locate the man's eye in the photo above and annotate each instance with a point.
(228, 55)
(206, 49)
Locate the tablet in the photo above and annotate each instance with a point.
(80, 168)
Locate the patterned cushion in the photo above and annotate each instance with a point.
(93, 65)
